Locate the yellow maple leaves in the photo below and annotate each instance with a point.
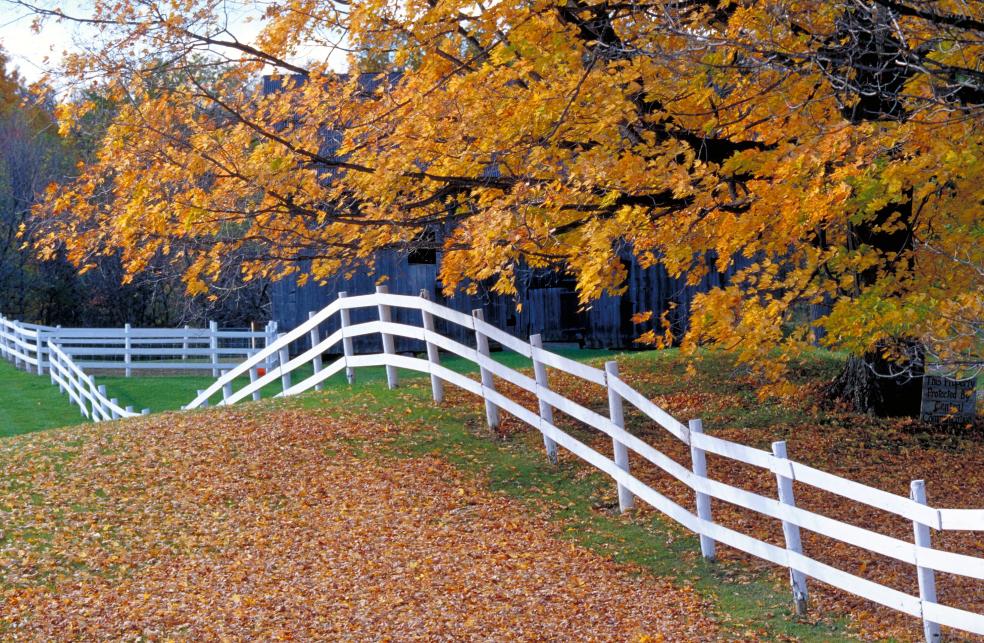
(534, 134)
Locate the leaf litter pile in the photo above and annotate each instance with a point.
(282, 524)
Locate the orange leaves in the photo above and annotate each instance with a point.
(531, 133)
(292, 525)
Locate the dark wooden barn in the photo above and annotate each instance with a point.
(549, 302)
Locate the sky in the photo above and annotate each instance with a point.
(34, 53)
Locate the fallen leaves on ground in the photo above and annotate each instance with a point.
(886, 454)
(258, 524)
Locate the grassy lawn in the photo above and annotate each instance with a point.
(30, 403)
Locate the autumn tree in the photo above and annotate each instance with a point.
(837, 145)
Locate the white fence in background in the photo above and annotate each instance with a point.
(82, 389)
(193, 349)
(919, 553)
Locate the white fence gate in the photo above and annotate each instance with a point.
(919, 553)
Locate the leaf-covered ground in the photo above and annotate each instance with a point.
(91, 509)
(884, 453)
(260, 523)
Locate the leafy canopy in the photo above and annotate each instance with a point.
(836, 144)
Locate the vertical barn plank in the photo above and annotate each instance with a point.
(699, 465)
(348, 348)
(546, 411)
(315, 340)
(617, 415)
(791, 531)
(433, 354)
(927, 578)
(482, 343)
(389, 346)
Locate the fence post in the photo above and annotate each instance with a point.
(347, 346)
(96, 392)
(184, 343)
(55, 381)
(546, 411)
(205, 403)
(17, 347)
(271, 337)
(284, 355)
(698, 461)
(226, 388)
(621, 452)
(145, 412)
(129, 409)
(213, 344)
(315, 340)
(127, 348)
(253, 376)
(112, 411)
(39, 353)
(791, 531)
(927, 577)
(433, 354)
(482, 345)
(389, 346)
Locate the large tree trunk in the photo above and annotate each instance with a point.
(872, 384)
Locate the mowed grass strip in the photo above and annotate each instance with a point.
(268, 523)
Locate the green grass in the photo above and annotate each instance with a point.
(29, 402)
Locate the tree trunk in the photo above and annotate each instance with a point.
(878, 386)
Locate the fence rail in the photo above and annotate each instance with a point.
(919, 553)
(190, 349)
(82, 389)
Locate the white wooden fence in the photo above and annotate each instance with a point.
(203, 349)
(919, 553)
(82, 389)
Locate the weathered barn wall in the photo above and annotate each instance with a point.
(550, 305)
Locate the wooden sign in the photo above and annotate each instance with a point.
(948, 400)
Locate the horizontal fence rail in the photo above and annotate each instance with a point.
(311, 349)
(185, 349)
(67, 353)
(82, 390)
